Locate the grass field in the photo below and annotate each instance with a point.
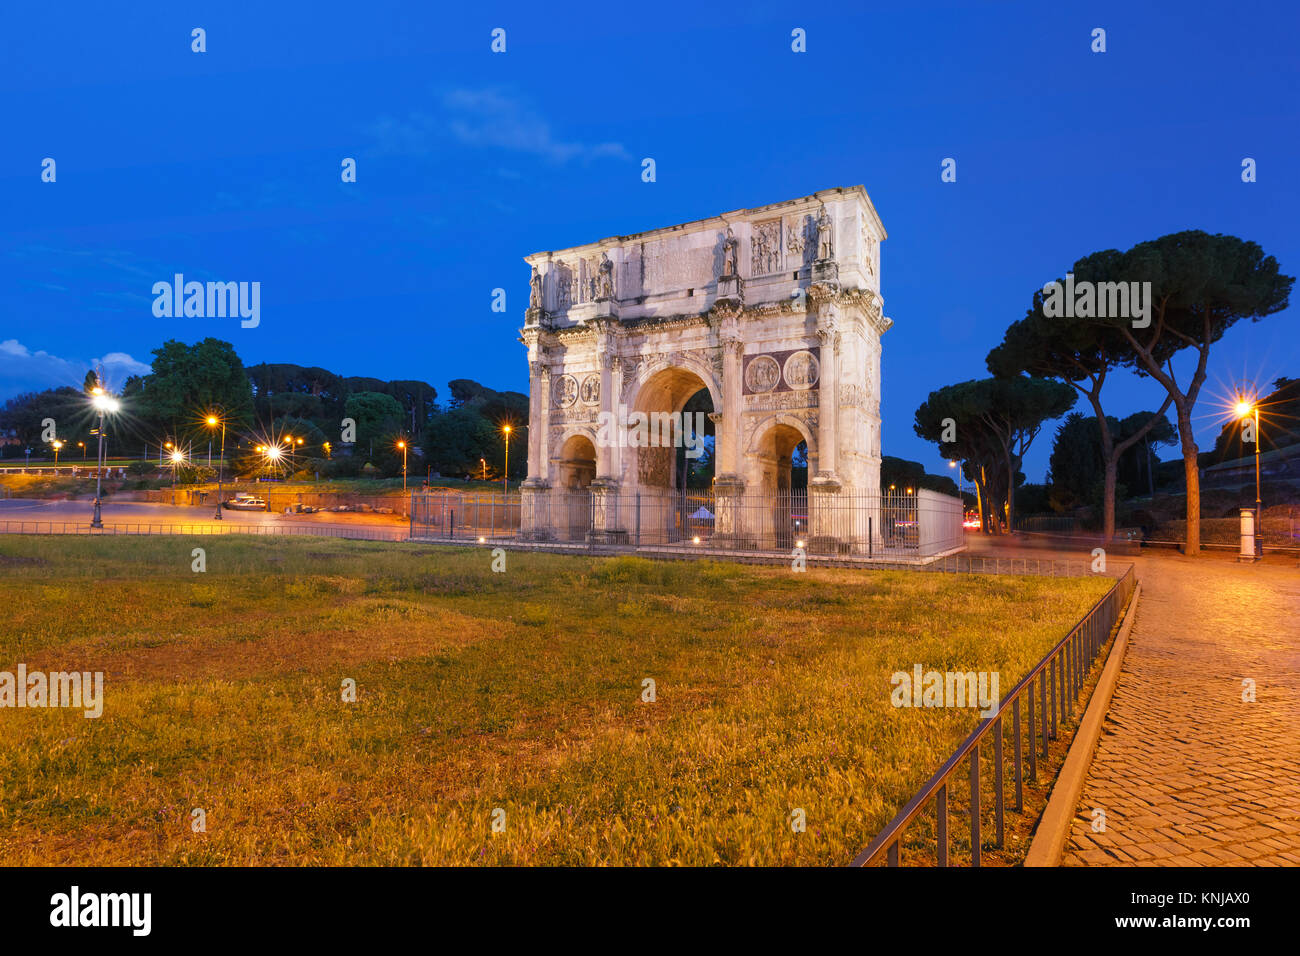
(478, 691)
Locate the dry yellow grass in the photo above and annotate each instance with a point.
(478, 692)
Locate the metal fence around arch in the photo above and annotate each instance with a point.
(1045, 698)
(919, 524)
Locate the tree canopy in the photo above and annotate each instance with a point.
(1200, 286)
(990, 423)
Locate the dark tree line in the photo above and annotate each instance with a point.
(315, 408)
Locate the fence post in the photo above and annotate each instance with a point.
(941, 824)
(975, 805)
(999, 801)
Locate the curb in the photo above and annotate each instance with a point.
(1048, 844)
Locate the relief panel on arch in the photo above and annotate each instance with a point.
(791, 370)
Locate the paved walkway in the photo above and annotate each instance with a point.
(1187, 773)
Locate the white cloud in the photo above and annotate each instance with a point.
(123, 363)
(22, 370)
(487, 119)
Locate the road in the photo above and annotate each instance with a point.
(23, 514)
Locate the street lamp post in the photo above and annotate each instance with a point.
(505, 477)
(402, 445)
(1259, 513)
(57, 445)
(273, 455)
(178, 456)
(213, 421)
(104, 403)
(1247, 409)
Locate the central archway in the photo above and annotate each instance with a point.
(668, 462)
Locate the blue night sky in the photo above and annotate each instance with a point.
(225, 165)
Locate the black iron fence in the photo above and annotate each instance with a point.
(1045, 697)
(874, 526)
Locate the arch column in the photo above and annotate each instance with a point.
(728, 485)
(534, 498)
(727, 432)
(828, 403)
(608, 510)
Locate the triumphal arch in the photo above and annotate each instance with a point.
(770, 318)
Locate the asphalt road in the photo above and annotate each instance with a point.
(141, 516)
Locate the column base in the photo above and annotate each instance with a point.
(605, 513)
(535, 512)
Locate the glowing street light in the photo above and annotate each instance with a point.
(1246, 410)
(82, 446)
(505, 477)
(105, 404)
(178, 459)
(57, 445)
(212, 421)
(402, 445)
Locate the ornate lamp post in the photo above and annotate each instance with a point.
(104, 403)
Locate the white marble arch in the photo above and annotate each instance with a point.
(641, 322)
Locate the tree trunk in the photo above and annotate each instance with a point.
(1011, 495)
(1108, 504)
(989, 519)
(1193, 479)
(1151, 478)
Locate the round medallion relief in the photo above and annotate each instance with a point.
(590, 391)
(565, 391)
(802, 370)
(762, 374)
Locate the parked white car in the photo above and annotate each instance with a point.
(244, 502)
